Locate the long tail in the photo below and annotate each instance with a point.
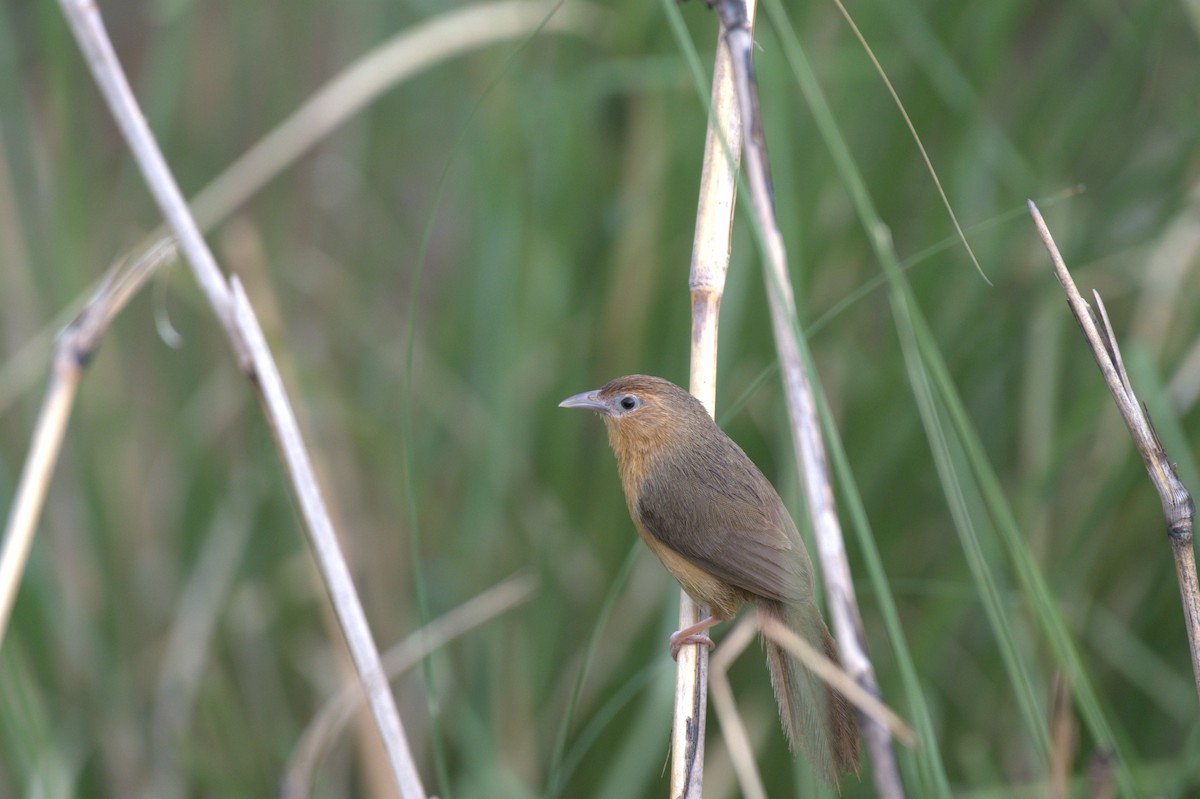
(816, 718)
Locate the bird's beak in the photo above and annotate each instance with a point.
(588, 400)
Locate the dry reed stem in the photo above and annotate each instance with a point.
(741, 752)
(815, 661)
(706, 283)
(35, 477)
(233, 311)
(806, 431)
(1177, 506)
(339, 709)
(73, 350)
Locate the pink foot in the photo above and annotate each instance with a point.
(693, 634)
(681, 638)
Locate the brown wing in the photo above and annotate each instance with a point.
(715, 508)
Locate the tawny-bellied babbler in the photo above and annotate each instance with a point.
(720, 528)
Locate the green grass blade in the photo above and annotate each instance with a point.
(915, 361)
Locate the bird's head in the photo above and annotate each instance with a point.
(645, 416)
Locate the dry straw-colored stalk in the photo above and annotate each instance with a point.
(806, 432)
(1177, 506)
(706, 282)
(73, 350)
(733, 730)
(233, 310)
(867, 702)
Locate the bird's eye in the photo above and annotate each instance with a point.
(629, 402)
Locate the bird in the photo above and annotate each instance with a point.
(720, 528)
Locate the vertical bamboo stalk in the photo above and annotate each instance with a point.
(706, 281)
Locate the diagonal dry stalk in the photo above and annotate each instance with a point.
(867, 703)
(806, 432)
(233, 311)
(706, 282)
(73, 350)
(1178, 509)
(741, 753)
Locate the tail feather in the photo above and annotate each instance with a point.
(816, 719)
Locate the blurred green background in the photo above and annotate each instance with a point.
(526, 211)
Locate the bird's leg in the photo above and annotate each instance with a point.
(693, 634)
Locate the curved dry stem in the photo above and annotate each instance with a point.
(404, 55)
(74, 349)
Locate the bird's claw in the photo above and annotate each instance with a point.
(680, 641)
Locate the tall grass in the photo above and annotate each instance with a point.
(556, 259)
